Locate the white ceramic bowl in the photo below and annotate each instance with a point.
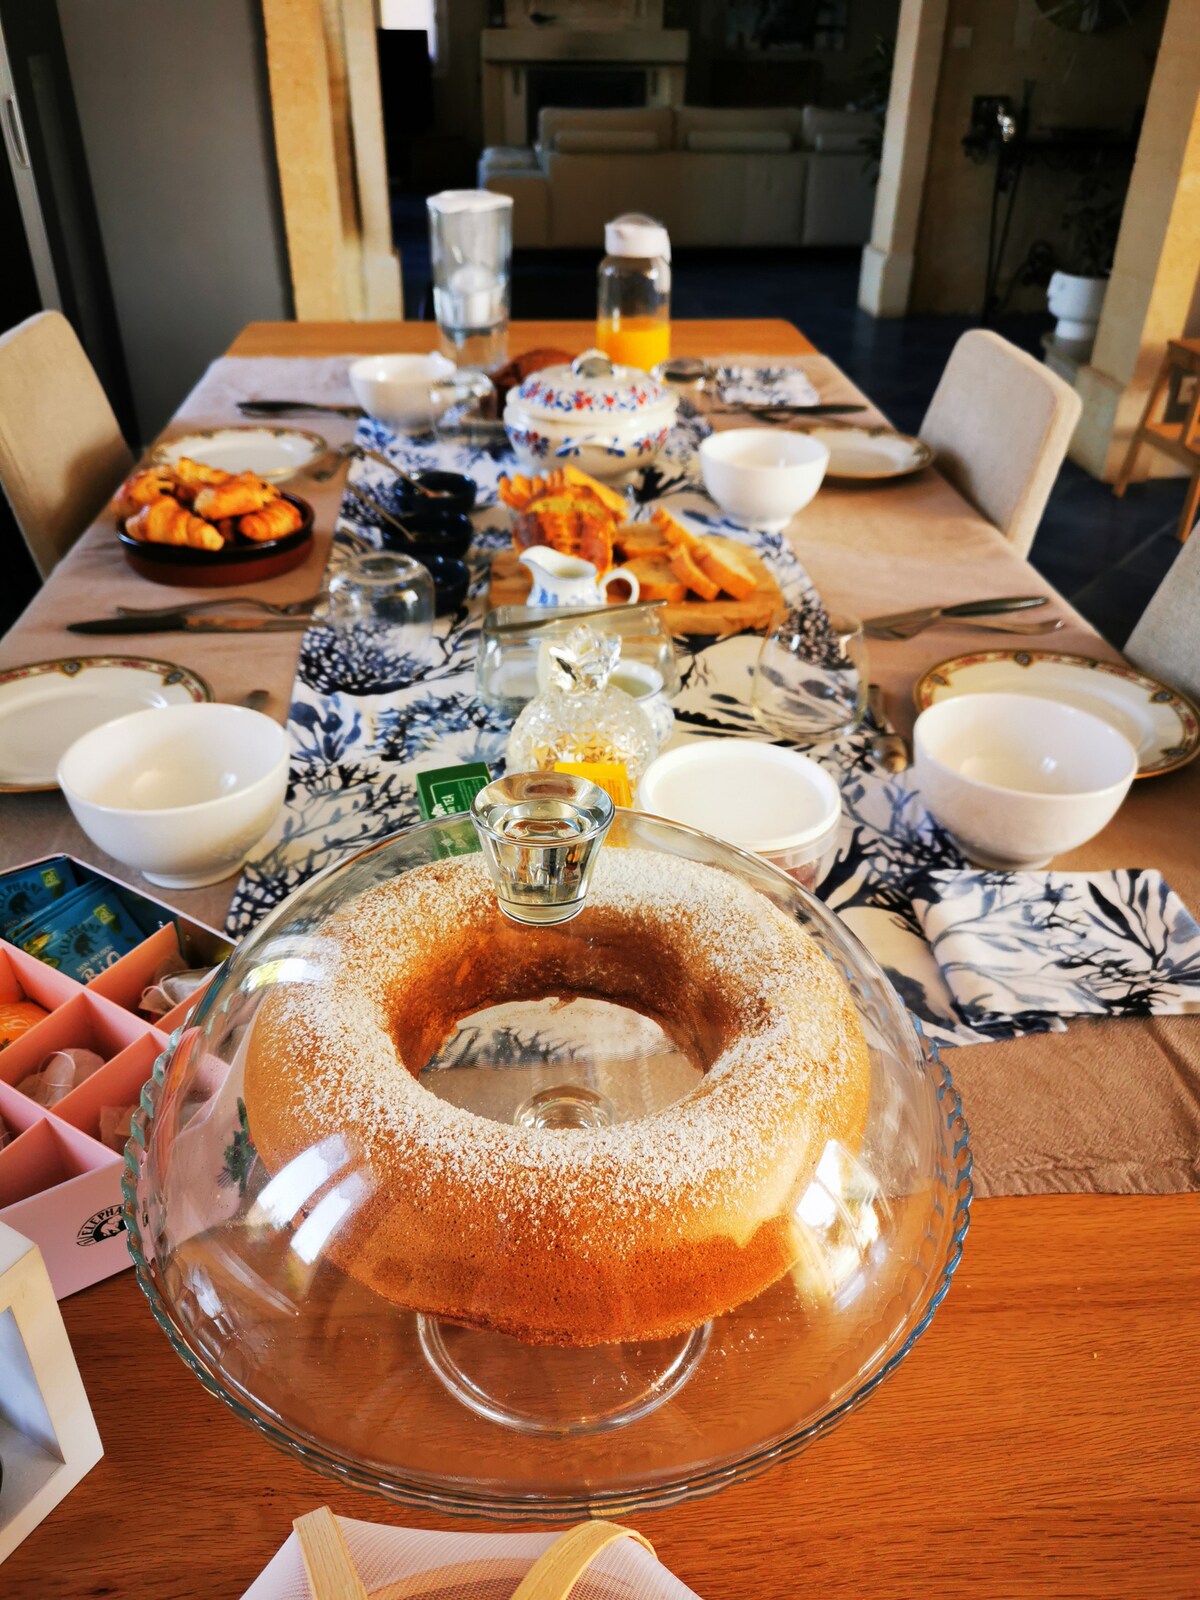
(1018, 780)
(606, 447)
(767, 799)
(761, 477)
(182, 793)
(396, 389)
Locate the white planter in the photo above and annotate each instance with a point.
(1077, 303)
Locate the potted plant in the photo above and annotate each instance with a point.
(1092, 220)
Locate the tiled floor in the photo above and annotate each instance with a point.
(1106, 555)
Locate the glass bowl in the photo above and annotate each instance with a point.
(241, 1263)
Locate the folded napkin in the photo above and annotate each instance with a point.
(1064, 944)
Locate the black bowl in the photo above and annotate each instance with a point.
(449, 491)
(451, 578)
(434, 533)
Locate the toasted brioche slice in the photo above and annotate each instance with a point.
(516, 492)
(573, 478)
(683, 566)
(640, 539)
(674, 533)
(656, 580)
(726, 567)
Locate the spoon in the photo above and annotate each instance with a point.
(405, 477)
(369, 499)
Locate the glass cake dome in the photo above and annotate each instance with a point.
(547, 1160)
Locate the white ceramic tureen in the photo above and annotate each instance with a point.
(605, 419)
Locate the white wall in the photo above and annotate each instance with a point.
(173, 103)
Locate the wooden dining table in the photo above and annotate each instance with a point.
(1041, 1439)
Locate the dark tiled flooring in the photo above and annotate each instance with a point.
(1106, 555)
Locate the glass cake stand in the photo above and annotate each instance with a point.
(238, 1262)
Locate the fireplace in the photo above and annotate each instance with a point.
(526, 68)
(581, 85)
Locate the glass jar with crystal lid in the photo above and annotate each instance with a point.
(544, 1160)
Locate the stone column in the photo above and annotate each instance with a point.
(1154, 292)
(887, 262)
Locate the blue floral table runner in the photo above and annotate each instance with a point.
(362, 725)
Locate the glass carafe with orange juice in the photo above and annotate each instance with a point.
(633, 294)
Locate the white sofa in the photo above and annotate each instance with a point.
(760, 176)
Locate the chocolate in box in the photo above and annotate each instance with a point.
(59, 1184)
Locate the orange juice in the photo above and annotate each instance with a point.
(634, 341)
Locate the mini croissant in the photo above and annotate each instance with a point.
(167, 522)
(192, 476)
(235, 497)
(195, 475)
(273, 522)
(141, 489)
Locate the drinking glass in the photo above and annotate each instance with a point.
(810, 682)
(387, 601)
(470, 242)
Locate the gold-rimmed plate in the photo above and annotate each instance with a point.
(46, 705)
(1161, 724)
(270, 453)
(872, 454)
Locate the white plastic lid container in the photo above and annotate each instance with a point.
(782, 806)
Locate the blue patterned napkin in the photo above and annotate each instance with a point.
(1012, 945)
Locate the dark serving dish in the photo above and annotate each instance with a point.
(450, 491)
(451, 579)
(241, 561)
(433, 533)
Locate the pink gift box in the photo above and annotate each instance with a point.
(59, 1185)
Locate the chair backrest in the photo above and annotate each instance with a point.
(61, 450)
(1001, 423)
(1166, 639)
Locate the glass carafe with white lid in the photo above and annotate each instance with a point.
(633, 292)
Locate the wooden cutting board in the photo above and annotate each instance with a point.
(511, 583)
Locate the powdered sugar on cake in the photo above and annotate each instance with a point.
(743, 1123)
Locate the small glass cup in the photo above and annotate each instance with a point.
(810, 682)
(470, 242)
(389, 598)
(466, 410)
(540, 832)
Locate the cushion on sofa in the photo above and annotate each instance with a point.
(508, 159)
(746, 141)
(598, 141)
(819, 122)
(554, 120)
(724, 119)
(840, 143)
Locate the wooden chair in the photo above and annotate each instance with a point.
(61, 450)
(1179, 438)
(1166, 639)
(1001, 423)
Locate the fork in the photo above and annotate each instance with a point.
(909, 630)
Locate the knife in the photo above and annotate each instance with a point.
(761, 409)
(966, 608)
(283, 408)
(888, 747)
(180, 622)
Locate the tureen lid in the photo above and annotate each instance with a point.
(592, 386)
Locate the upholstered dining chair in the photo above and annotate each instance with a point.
(61, 450)
(1166, 639)
(1001, 423)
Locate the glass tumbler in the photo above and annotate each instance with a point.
(810, 682)
(470, 242)
(386, 601)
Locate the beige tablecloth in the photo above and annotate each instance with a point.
(1108, 1106)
